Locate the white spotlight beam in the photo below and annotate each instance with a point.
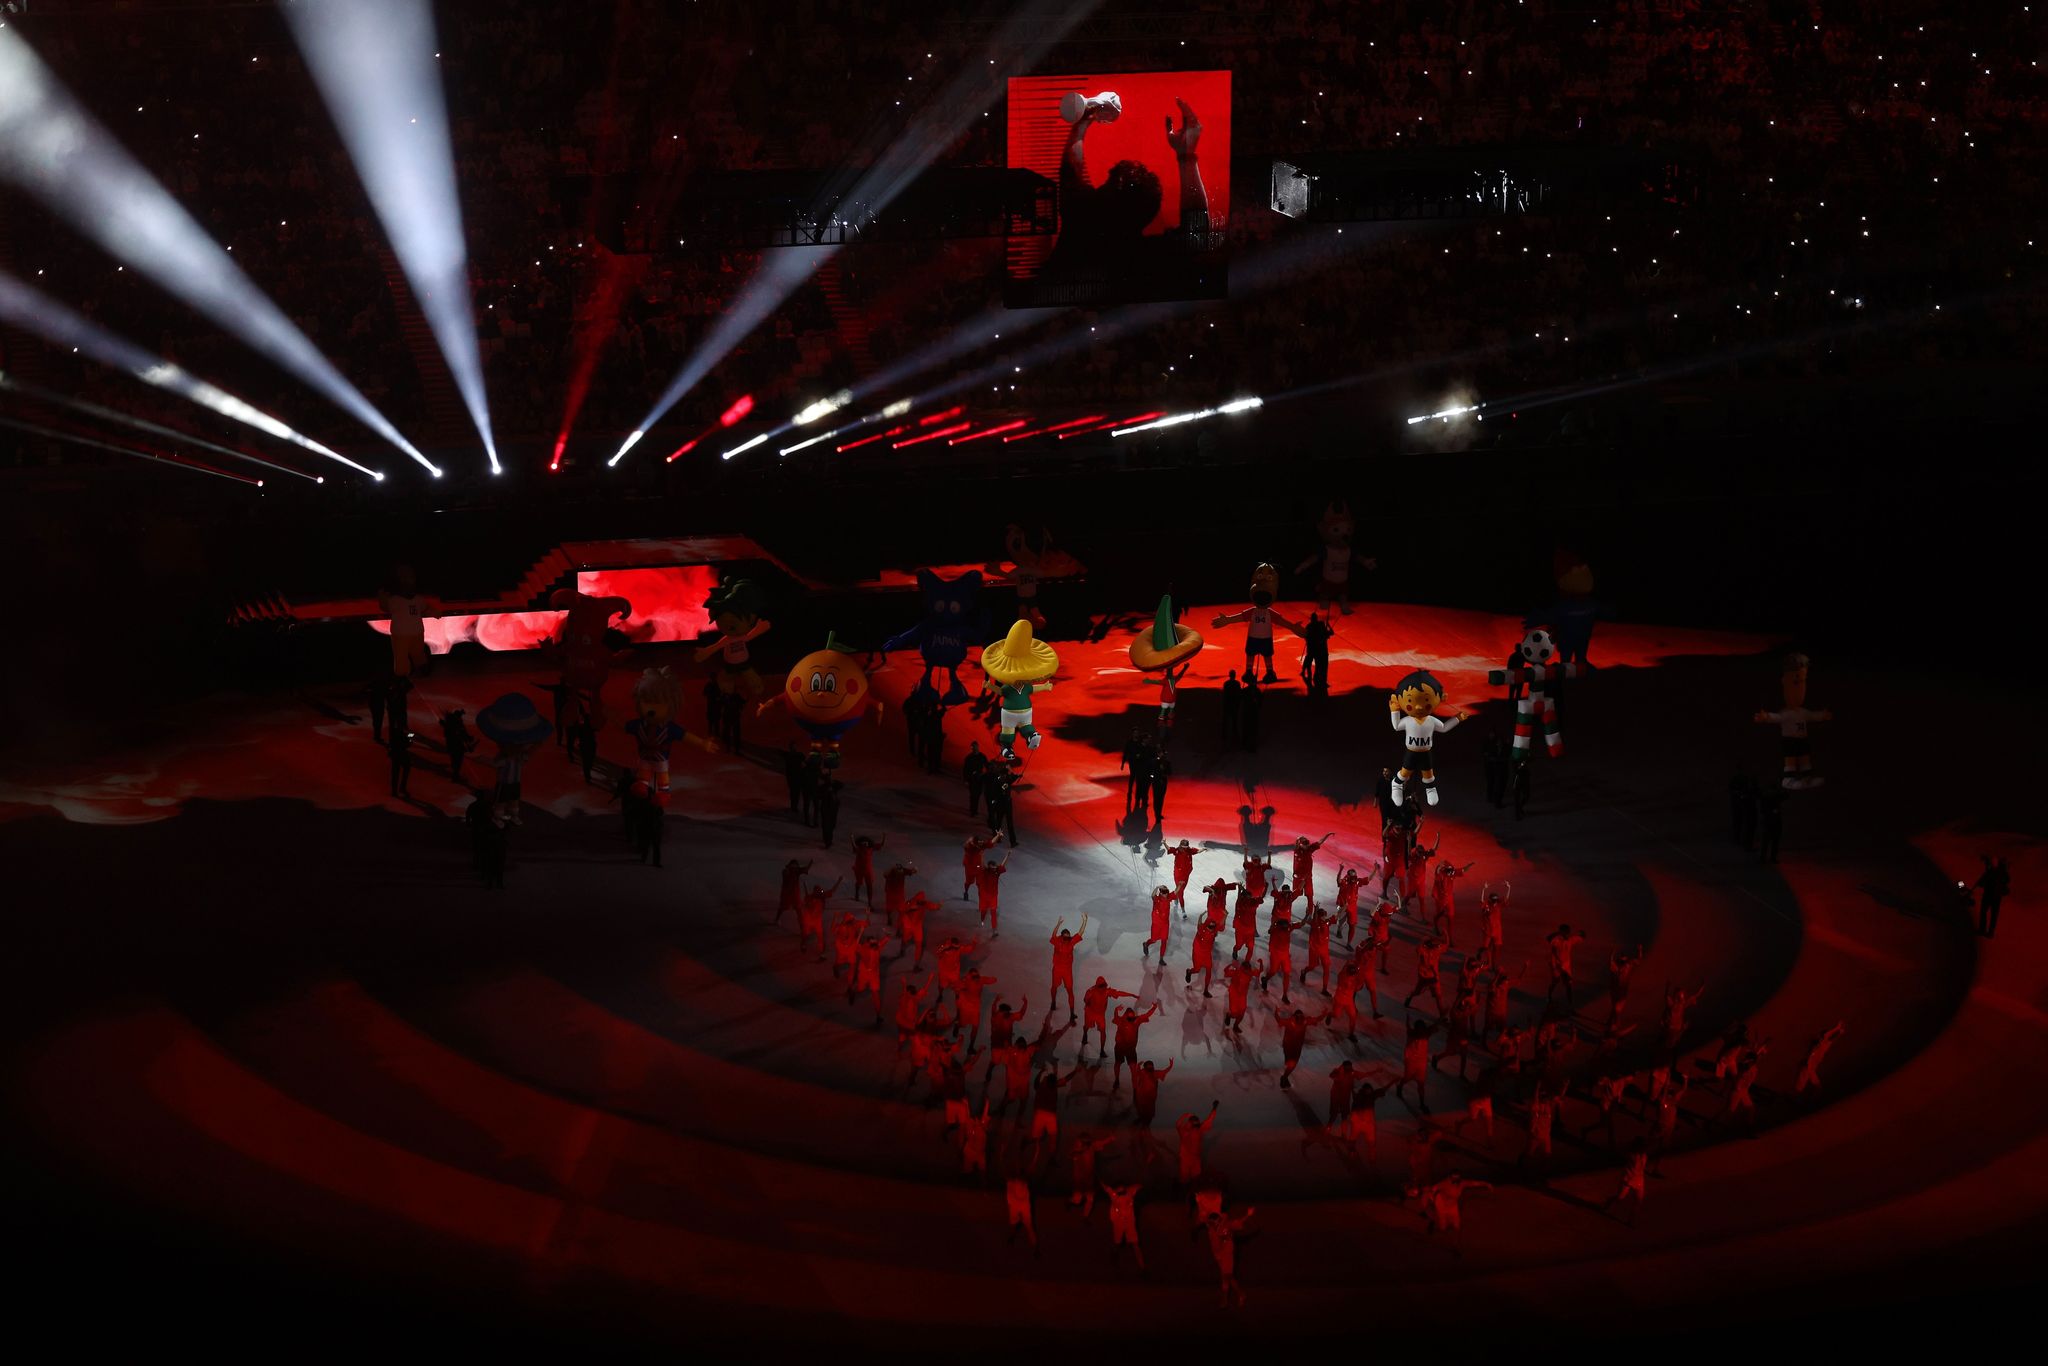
(57, 152)
(1240, 405)
(1446, 414)
(33, 311)
(1030, 31)
(9, 384)
(746, 445)
(33, 430)
(374, 63)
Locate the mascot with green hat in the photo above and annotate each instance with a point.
(1167, 649)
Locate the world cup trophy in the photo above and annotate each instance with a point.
(1107, 108)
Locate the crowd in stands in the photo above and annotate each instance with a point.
(1843, 173)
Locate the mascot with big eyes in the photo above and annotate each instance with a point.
(952, 617)
(657, 697)
(1531, 675)
(1412, 707)
(736, 611)
(586, 656)
(827, 693)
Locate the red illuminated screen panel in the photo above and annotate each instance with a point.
(1143, 205)
(668, 604)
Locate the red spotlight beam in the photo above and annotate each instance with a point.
(941, 417)
(878, 436)
(1111, 426)
(931, 436)
(1056, 427)
(986, 432)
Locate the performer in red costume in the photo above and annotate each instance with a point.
(1162, 908)
(910, 926)
(1064, 942)
(1202, 956)
(1183, 869)
(1123, 1221)
(1491, 904)
(967, 994)
(1305, 862)
(1237, 980)
(1145, 1079)
(810, 914)
(1348, 884)
(1083, 1152)
(1318, 926)
(1293, 1035)
(1094, 1013)
(1128, 1022)
(1193, 1128)
(1445, 893)
(791, 897)
(991, 895)
(970, 861)
(864, 848)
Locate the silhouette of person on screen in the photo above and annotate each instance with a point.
(1102, 227)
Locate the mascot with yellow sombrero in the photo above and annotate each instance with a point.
(1018, 666)
(1168, 649)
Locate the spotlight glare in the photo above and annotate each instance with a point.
(746, 445)
(741, 406)
(824, 407)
